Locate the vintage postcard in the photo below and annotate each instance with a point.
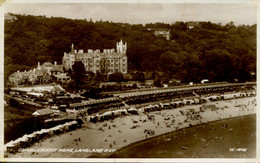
(129, 81)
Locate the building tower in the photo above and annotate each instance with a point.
(72, 48)
(121, 47)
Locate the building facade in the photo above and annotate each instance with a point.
(41, 74)
(163, 32)
(107, 62)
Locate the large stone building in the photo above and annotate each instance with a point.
(107, 62)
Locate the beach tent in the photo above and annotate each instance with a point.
(147, 109)
(54, 130)
(203, 100)
(116, 113)
(132, 111)
(251, 93)
(93, 119)
(174, 104)
(227, 97)
(23, 141)
(51, 131)
(74, 125)
(243, 94)
(166, 105)
(66, 126)
(107, 115)
(196, 101)
(141, 110)
(188, 102)
(45, 133)
(10, 147)
(152, 107)
(123, 111)
(212, 98)
(31, 138)
(37, 135)
(156, 106)
(60, 128)
(179, 103)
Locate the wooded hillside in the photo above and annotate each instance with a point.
(213, 51)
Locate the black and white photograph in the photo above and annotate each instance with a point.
(129, 80)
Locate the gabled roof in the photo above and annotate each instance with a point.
(14, 75)
(58, 88)
(46, 111)
(47, 64)
(57, 68)
(41, 73)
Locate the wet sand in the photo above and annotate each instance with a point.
(120, 132)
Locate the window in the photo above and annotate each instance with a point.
(123, 65)
(123, 60)
(116, 65)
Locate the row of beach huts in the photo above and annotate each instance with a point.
(171, 105)
(28, 140)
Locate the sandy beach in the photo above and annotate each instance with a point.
(227, 138)
(103, 138)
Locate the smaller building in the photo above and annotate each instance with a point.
(62, 77)
(42, 74)
(43, 112)
(53, 68)
(192, 24)
(15, 78)
(162, 32)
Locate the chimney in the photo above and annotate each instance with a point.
(90, 51)
(72, 48)
(38, 64)
(55, 63)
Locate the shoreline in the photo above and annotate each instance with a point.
(123, 134)
(168, 134)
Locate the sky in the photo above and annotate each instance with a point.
(142, 13)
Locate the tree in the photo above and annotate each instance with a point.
(29, 39)
(117, 77)
(157, 82)
(99, 78)
(78, 74)
(171, 64)
(139, 76)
